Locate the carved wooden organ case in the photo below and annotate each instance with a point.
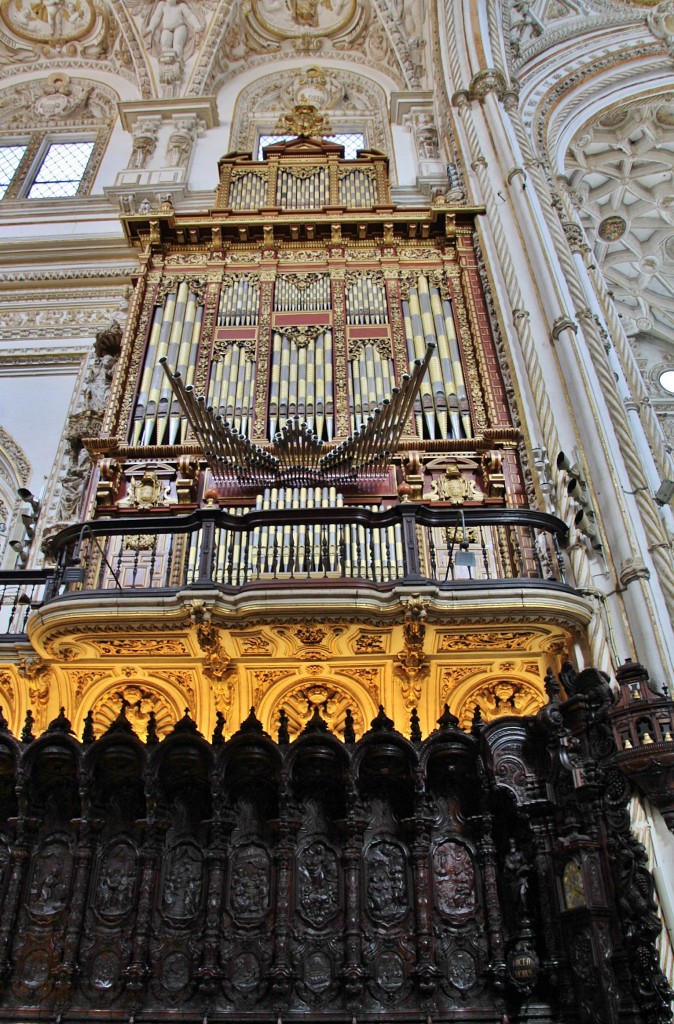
(304, 295)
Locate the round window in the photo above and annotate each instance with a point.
(667, 381)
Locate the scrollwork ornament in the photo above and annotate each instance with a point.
(661, 23)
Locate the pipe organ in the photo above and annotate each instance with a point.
(294, 312)
(281, 551)
(175, 335)
(302, 354)
(442, 409)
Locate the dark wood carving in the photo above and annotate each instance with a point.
(482, 876)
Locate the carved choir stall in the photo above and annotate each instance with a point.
(487, 875)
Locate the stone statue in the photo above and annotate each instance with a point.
(180, 142)
(426, 136)
(144, 142)
(175, 21)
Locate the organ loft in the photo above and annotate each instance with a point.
(300, 735)
(309, 395)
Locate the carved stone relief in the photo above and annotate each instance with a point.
(350, 99)
(495, 698)
(330, 699)
(85, 421)
(81, 29)
(50, 21)
(173, 31)
(59, 99)
(140, 700)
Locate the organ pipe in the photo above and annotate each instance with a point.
(297, 455)
(301, 380)
(174, 335)
(442, 409)
(231, 385)
(290, 549)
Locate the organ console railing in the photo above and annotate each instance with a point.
(280, 542)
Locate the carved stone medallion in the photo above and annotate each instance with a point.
(48, 21)
(386, 882)
(454, 876)
(289, 18)
(250, 883)
(317, 887)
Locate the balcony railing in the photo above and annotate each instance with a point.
(405, 543)
(21, 590)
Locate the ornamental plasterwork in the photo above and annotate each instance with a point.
(51, 317)
(173, 32)
(292, 19)
(365, 32)
(620, 170)
(106, 42)
(533, 26)
(57, 100)
(328, 698)
(351, 100)
(139, 700)
(15, 455)
(496, 698)
(56, 28)
(54, 22)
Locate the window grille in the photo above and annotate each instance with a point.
(61, 171)
(352, 142)
(10, 158)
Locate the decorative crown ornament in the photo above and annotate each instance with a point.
(303, 120)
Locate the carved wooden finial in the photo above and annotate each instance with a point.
(316, 723)
(218, 738)
(447, 720)
(27, 735)
(283, 734)
(382, 723)
(151, 737)
(88, 729)
(252, 723)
